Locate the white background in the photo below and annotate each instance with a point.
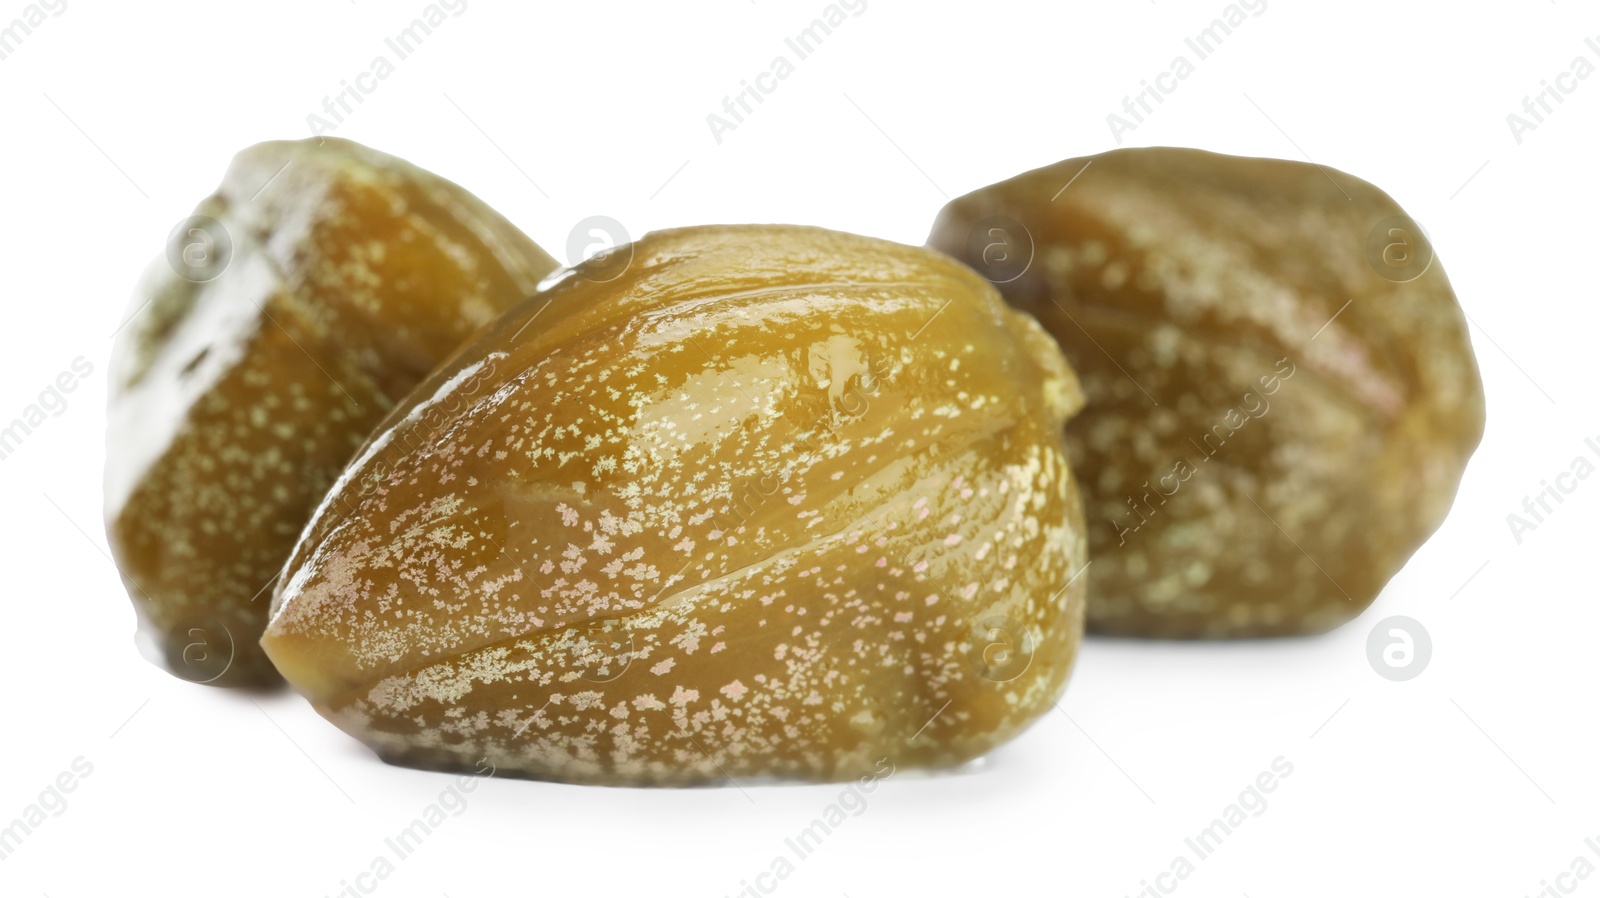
(1476, 778)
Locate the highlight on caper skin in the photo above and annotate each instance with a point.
(1282, 395)
(296, 306)
(770, 502)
